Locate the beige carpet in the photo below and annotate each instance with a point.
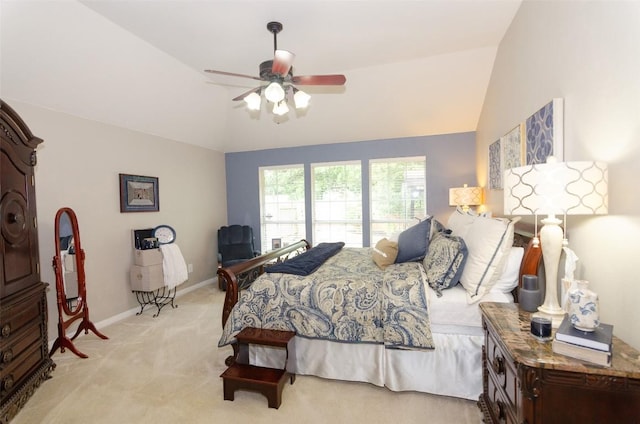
(167, 370)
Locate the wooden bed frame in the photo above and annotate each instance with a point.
(235, 275)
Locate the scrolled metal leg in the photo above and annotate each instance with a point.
(159, 298)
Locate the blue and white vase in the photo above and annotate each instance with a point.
(583, 307)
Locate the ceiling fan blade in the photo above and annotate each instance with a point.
(232, 74)
(319, 80)
(243, 95)
(282, 61)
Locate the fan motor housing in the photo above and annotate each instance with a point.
(267, 75)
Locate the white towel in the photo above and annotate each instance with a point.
(173, 265)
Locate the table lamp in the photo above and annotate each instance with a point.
(555, 189)
(465, 196)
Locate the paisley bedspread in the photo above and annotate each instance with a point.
(348, 299)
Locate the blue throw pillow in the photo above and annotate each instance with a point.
(445, 261)
(413, 242)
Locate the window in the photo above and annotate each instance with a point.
(336, 190)
(282, 211)
(397, 195)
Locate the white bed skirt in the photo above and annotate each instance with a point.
(453, 368)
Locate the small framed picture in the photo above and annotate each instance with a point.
(138, 193)
(495, 166)
(276, 243)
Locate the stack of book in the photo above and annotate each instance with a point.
(591, 346)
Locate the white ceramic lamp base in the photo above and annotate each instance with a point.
(551, 236)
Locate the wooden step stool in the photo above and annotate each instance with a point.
(268, 381)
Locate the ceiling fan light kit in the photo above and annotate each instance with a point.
(279, 78)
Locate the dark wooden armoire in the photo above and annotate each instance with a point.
(24, 358)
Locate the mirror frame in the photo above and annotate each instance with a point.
(79, 262)
(81, 311)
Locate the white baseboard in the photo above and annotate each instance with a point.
(131, 312)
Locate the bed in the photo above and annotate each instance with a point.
(431, 344)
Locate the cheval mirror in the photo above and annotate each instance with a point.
(68, 265)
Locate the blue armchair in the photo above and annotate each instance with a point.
(235, 245)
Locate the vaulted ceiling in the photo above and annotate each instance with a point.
(412, 67)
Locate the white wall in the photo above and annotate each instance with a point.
(586, 53)
(78, 167)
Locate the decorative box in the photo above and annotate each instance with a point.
(140, 235)
(146, 278)
(147, 257)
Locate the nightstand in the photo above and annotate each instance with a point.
(525, 382)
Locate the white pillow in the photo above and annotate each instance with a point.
(489, 241)
(508, 280)
(460, 221)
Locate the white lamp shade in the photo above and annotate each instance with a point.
(274, 92)
(301, 99)
(465, 196)
(280, 108)
(571, 188)
(253, 101)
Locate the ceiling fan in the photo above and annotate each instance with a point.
(278, 74)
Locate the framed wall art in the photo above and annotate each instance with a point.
(139, 193)
(512, 148)
(495, 166)
(544, 133)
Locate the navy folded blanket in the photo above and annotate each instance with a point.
(309, 261)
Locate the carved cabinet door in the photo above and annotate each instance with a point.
(19, 242)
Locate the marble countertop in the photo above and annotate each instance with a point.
(513, 327)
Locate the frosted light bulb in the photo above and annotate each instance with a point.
(280, 108)
(301, 99)
(274, 92)
(253, 101)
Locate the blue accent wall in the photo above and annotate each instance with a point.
(451, 162)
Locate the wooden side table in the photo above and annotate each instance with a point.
(525, 382)
(268, 381)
